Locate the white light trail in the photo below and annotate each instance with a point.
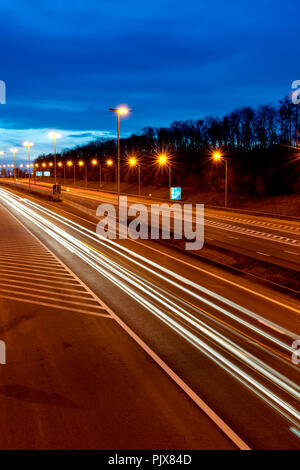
(158, 303)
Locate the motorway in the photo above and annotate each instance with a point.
(262, 237)
(148, 349)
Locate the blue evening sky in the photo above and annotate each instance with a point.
(66, 62)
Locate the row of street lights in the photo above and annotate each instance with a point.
(162, 159)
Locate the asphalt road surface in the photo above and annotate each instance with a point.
(169, 354)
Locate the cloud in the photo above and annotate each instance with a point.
(42, 143)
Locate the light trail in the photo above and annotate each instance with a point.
(148, 296)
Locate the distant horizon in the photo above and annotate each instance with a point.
(73, 138)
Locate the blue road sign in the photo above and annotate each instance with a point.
(46, 173)
(39, 173)
(176, 193)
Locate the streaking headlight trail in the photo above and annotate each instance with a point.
(207, 332)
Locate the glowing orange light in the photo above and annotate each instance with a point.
(132, 162)
(109, 162)
(162, 159)
(217, 156)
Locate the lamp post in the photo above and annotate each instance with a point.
(164, 160)
(81, 164)
(217, 156)
(14, 150)
(95, 163)
(3, 154)
(60, 164)
(28, 145)
(110, 163)
(119, 111)
(70, 164)
(54, 135)
(133, 162)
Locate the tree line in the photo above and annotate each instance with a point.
(261, 146)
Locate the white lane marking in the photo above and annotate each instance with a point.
(35, 277)
(55, 287)
(59, 300)
(40, 267)
(252, 233)
(45, 291)
(45, 304)
(295, 431)
(188, 391)
(38, 275)
(234, 238)
(28, 259)
(264, 254)
(291, 252)
(71, 276)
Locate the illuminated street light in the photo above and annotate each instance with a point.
(95, 163)
(218, 157)
(109, 162)
(163, 160)
(28, 145)
(133, 162)
(70, 164)
(14, 151)
(54, 135)
(3, 154)
(119, 111)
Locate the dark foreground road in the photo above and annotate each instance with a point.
(220, 338)
(74, 379)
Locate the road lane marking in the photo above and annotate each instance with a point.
(291, 252)
(264, 254)
(61, 307)
(16, 274)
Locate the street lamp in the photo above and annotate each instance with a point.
(14, 151)
(70, 164)
(95, 163)
(133, 162)
(28, 145)
(120, 111)
(163, 160)
(81, 164)
(54, 135)
(110, 163)
(3, 154)
(218, 157)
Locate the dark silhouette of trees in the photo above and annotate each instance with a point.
(261, 146)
